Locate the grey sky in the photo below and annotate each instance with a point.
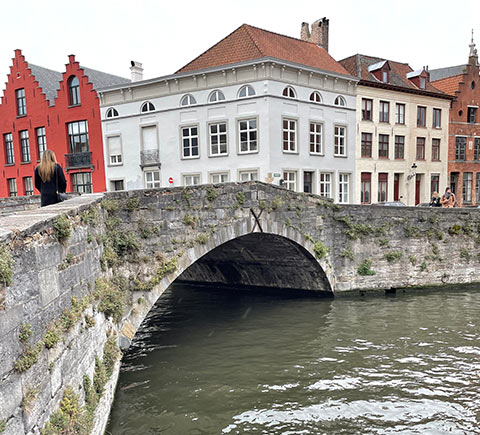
(165, 35)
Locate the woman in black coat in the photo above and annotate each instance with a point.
(49, 178)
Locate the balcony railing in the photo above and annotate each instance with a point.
(149, 158)
(78, 160)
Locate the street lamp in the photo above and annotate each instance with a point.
(413, 173)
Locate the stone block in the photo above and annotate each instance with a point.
(48, 285)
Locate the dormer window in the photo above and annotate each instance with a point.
(423, 82)
(289, 92)
(385, 76)
(419, 78)
(381, 71)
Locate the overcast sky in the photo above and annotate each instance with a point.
(165, 35)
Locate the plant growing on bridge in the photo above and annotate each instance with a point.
(455, 230)
(112, 299)
(240, 198)
(347, 253)
(3, 425)
(52, 337)
(27, 400)
(90, 216)
(6, 265)
(212, 194)
(202, 238)
(187, 197)
(465, 254)
(62, 228)
(28, 358)
(320, 250)
(364, 268)
(25, 332)
(110, 206)
(132, 204)
(190, 220)
(393, 256)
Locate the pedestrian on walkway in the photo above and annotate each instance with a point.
(50, 179)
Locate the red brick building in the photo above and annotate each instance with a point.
(463, 83)
(41, 108)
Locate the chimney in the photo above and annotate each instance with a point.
(319, 33)
(136, 71)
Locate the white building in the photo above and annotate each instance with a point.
(256, 106)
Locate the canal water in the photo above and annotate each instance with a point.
(217, 362)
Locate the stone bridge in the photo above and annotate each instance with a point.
(78, 278)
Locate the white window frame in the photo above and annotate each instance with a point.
(337, 139)
(315, 138)
(113, 158)
(253, 174)
(189, 179)
(290, 179)
(153, 183)
(215, 96)
(190, 138)
(246, 91)
(340, 101)
(325, 186)
(219, 136)
(188, 100)
(399, 118)
(292, 128)
(12, 187)
(316, 97)
(149, 107)
(289, 92)
(248, 131)
(111, 113)
(344, 187)
(221, 174)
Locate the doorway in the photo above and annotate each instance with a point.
(308, 181)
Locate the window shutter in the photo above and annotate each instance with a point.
(149, 136)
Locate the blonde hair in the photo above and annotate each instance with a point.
(46, 167)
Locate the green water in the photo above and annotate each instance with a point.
(216, 362)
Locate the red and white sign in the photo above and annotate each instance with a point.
(170, 180)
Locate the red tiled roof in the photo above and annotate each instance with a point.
(449, 85)
(249, 43)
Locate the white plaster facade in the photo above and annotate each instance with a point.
(402, 179)
(129, 132)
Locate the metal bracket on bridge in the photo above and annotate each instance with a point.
(257, 221)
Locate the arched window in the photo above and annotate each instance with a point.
(111, 113)
(316, 97)
(188, 100)
(246, 91)
(74, 91)
(216, 96)
(340, 101)
(289, 92)
(147, 107)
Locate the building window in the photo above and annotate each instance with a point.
(436, 150)
(28, 186)
(383, 146)
(78, 136)
(218, 139)
(423, 82)
(340, 101)
(216, 96)
(147, 107)
(325, 185)
(289, 135)
(12, 187)
(116, 185)
(9, 153)
(248, 175)
(316, 97)
(365, 188)
(476, 149)
(219, 177)
(421, 116)
(74, 91)
(188, 100)
(384, 112)
(382, 187)
(367, 109)
(399, 147)
(191, 180)
(190, 142)
(343, 187)
(289, 92)
(366, 145)
(246, 91)
(25, 145)
(82, 182)
(41, 141)
(435, 184)
(112, 113)
(385, 76)
(467, 187)
(420, 148)
(152, 179)
(477, 188)
(114, 147)
(290, 180)
(400, 113)
(247, 130)
(21, 102)
(472, 115)
(460, 147)
(316, 138)
(437, 118)
(340, 144)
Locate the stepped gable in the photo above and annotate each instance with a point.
(249, 43)
(449, 85)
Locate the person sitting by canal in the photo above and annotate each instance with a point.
(448, 199)
(49, 179)
(435, 201)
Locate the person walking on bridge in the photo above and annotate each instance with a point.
(50, 179)
(448, 199)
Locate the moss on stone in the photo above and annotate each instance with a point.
(62, 228)
(189, 220)
(6, 266)
(132, 204)
(90, 216)
(347, 253)
(28, 358)
(112, 300)
(202, 238)
(365, 268)
(3, 425)
(212, 194)
(52, 337)
(393, 256)
(25, 332)
(320, 250)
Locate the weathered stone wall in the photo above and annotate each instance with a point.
(12, 205)
(77, 293)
